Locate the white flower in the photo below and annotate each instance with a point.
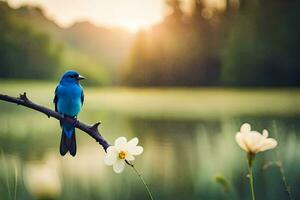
(42, 181)
(122, 151)
(253, 141)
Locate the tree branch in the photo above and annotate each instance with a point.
(90, 130)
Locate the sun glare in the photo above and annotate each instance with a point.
(132, 26)
(132, 15)
(135, 26)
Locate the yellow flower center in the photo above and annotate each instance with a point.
(122, 154)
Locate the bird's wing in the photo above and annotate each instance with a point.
(55, 100)
(82, 97)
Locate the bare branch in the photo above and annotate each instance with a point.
(90, 130)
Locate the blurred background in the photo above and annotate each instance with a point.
(182, 75)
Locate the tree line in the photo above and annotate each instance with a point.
(247, 43)
(24, 52)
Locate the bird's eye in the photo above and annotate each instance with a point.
(72, 76)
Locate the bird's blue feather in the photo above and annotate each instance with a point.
(69, 99)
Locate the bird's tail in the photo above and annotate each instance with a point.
(68, 140)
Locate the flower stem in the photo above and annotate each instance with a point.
(250, 161)
(142, 179)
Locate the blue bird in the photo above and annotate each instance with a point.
(68, 101)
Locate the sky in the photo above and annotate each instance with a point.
(130, 14)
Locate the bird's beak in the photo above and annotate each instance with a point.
(80, 77)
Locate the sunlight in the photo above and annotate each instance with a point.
(135, 26)
(218, 4)
(132, 15)
(132, 26)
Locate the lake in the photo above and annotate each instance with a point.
(188, 139)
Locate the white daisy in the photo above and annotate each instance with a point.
(122, 151)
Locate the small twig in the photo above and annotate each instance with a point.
(24, 97)
(90, 130)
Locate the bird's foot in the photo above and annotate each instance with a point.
(64, 119)
(67, 119)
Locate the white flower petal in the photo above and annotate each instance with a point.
(120, 142)
(119, 166)
(133, 142)
(111, 155)
(268, 143)
(137, 150)
(265, 133)
(245, 128)
(254, 139)
(240, 141)
(111, 149)
(247, 139)
(129, 157)
(110, 159)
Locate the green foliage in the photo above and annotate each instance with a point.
(261, 49)
(74, 59)
(25, 53)
(222, 181)
(95, 51)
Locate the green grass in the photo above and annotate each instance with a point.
(176, 103)
(197, 103)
